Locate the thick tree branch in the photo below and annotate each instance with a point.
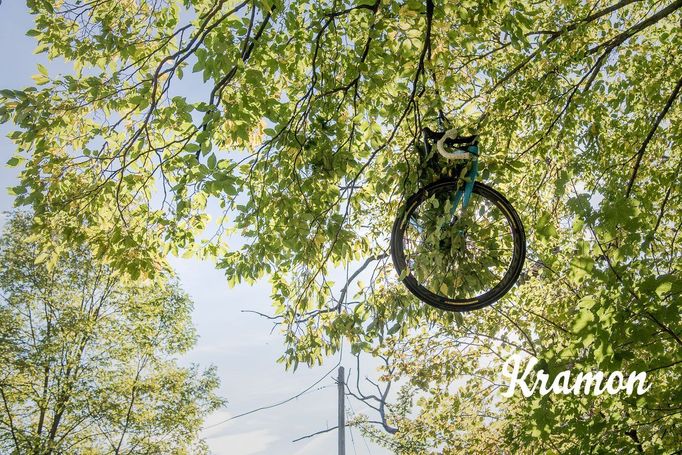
(553, 36)
(652, 131)
(649, 21)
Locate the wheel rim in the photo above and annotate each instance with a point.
(460, 258)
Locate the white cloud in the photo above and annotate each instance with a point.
(223, 440)
(247, 443)
(215, 424)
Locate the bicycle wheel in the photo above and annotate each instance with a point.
(458, 260)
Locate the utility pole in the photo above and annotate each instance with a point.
(342, 413)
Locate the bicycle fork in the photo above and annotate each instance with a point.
(465, 194)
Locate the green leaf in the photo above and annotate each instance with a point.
(191, 147)
(40, 79)
(584, 318)
(14, 161)
(16, 190)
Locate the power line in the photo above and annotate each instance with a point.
(276, 404)
(352, 439)
(353, 413)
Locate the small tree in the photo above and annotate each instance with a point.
(87, 358)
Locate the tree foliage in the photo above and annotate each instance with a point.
(88, 360)
(303, 135)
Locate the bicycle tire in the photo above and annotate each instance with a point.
(444, 302)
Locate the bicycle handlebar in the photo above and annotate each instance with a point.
(435, 137)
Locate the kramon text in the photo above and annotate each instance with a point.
(590, 383)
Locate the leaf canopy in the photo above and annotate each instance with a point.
(297, 131)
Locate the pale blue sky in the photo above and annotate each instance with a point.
(239, 344)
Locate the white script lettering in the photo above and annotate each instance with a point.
(588, 383)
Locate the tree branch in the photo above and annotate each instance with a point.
(659, 118)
